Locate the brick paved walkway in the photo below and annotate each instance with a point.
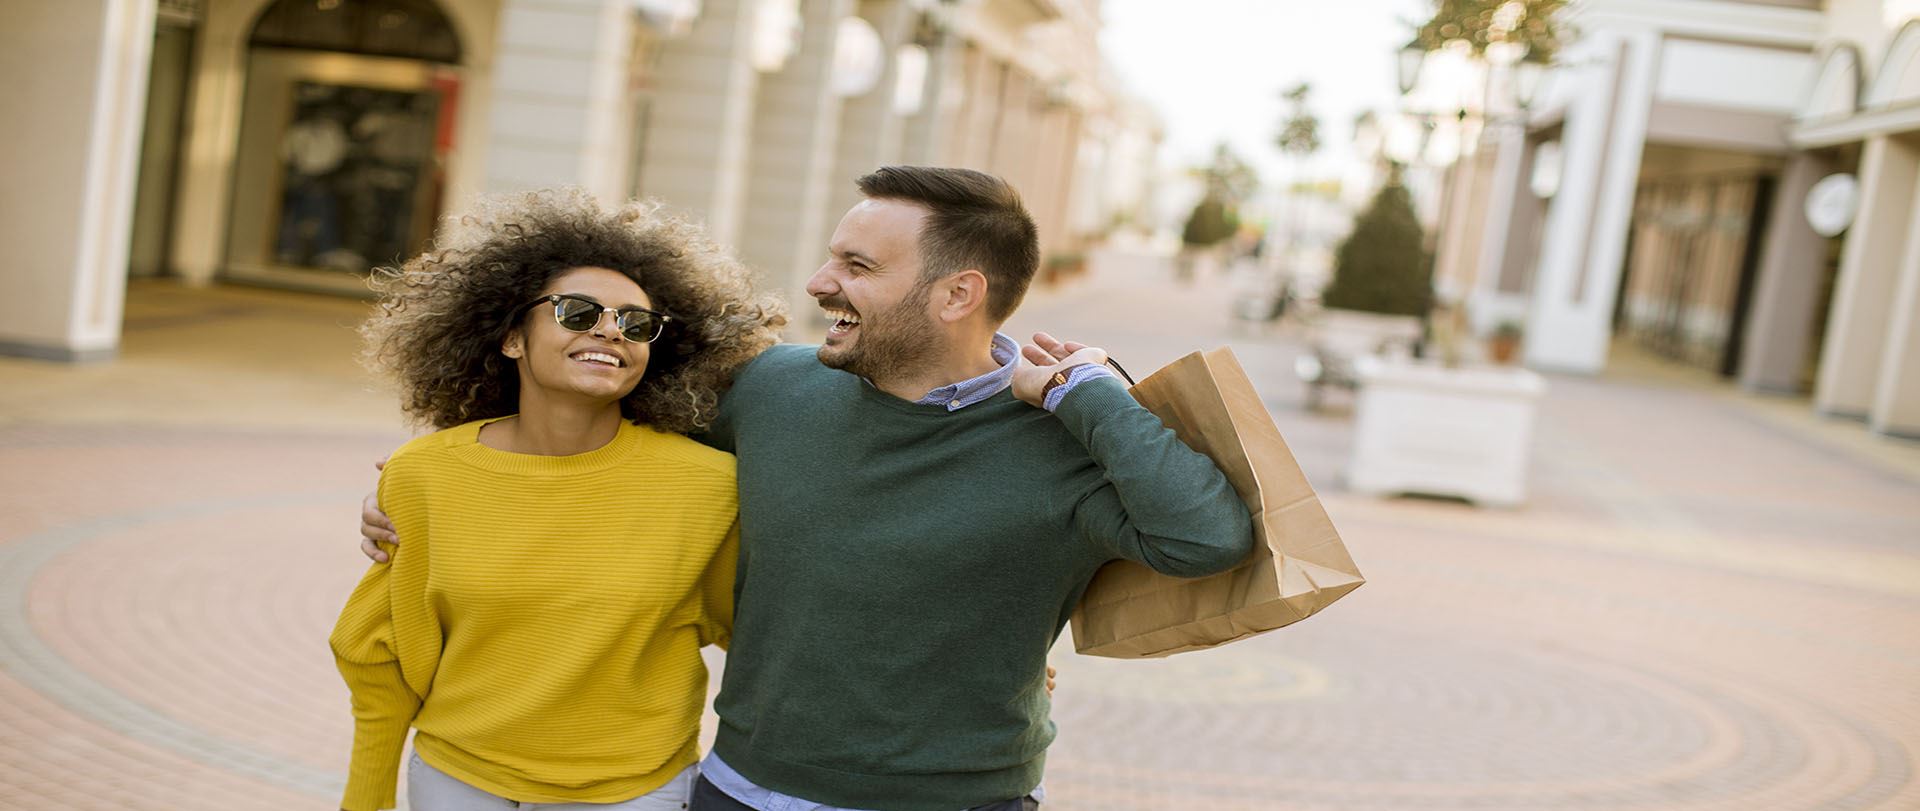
(1703, 606)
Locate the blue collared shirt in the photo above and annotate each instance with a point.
(1006, 352)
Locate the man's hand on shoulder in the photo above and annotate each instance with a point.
(1047, 363)
(374, 524)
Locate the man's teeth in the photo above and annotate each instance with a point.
(598, 357)
(842, 318)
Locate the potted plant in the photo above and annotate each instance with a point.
(1383, 266)
(1504, 345)
(1227, 180)
(1440, 428)
(1378, 298)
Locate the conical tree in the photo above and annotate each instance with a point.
(1383, 266)
(1210, 223)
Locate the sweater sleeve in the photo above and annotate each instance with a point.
(1161, 503)
(716, 591)
(366, 650)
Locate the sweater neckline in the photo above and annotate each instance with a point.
(467, 446)
(873, 394)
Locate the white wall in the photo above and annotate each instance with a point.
(1721, 75)
(75, 103)
(1861, 22)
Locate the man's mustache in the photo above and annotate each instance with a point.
(836, 303)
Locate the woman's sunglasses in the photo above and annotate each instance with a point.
(581, 314)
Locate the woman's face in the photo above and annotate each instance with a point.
(597, 365)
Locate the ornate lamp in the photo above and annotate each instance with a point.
(1411, 58)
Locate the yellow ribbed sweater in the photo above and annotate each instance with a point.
(540, 622)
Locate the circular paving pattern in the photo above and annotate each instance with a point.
(1397, 718)
(1475, 673)
(165, 600)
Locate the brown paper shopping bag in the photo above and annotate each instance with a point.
(1298, 565)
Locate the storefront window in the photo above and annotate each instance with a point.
(410, 29)
(351, 162)
(347, 131)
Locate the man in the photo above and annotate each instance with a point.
(920, 513)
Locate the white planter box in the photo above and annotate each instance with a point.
(1351, 334)
(1423, 428)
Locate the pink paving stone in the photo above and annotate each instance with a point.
(1687, 615)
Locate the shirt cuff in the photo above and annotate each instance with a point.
(1080, 374)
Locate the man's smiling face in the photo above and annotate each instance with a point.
(873, 294)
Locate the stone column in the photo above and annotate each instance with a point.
(1786, 290)
(1065, 175)
(1896, 404)
(870, 130)
(1881, 242)
(1054, 149)
(928, 133)
(1570, 323)
(984, 91)
(1456, 264)
(700, 126)
(796, 125)
(1896, 398)
(1013, 139)
(1508, 201)
(71, 163)
(560, 113)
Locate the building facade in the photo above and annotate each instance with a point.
(1861, 121)
(300, 143)
(1664, 194)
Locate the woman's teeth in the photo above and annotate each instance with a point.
(598, 357)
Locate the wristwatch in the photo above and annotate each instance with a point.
(1059, 379)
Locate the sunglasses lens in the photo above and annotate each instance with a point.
(639, 327)
(576, 315)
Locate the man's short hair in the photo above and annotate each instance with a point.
(974, 220)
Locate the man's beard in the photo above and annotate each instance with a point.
(890, 343)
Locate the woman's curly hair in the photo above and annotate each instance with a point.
(443, 315)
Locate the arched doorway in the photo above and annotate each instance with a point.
(346, 127)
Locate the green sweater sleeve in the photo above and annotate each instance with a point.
(1161, 504)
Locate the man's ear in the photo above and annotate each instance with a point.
(965, 294)
(515, 344)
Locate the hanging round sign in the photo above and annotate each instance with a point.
(1548, 163)
(858, 58)
(1832, 204)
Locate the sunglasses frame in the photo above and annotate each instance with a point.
(661, 320)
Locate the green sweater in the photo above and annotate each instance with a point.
(904, 570)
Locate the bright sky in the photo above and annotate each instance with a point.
(1215, 69)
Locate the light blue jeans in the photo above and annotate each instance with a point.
(429, 789)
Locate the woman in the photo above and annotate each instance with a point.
(568, 549)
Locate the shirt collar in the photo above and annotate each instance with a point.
(1006, 352)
